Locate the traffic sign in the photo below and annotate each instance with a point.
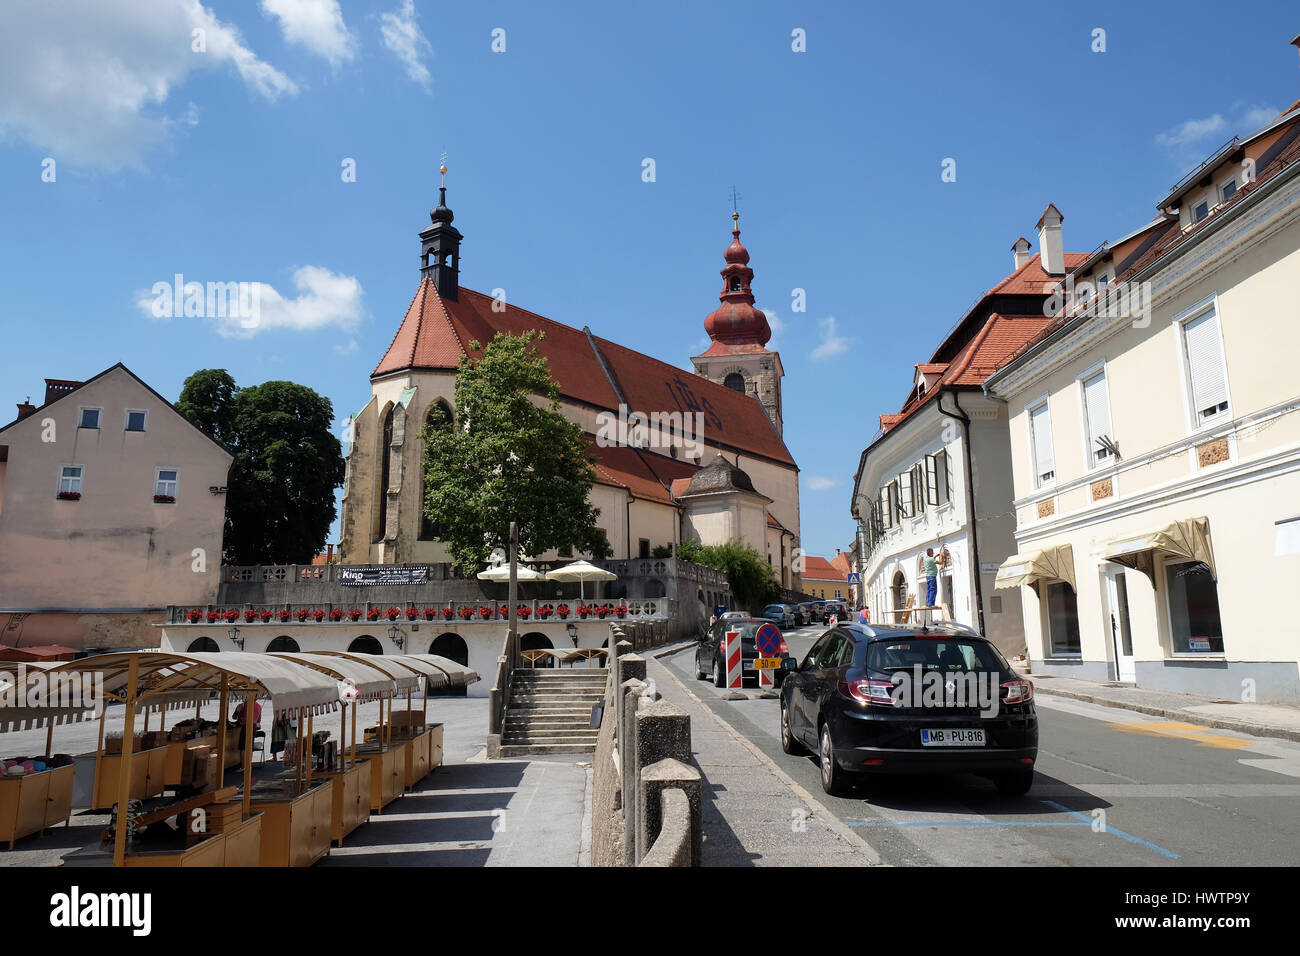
(768, 640)
(855, 578)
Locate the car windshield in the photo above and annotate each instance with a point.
(942, 654)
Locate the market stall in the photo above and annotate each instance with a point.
(35, 791)
(211, 828)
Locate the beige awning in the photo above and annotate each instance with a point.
(458, 675)
(1056, 563)
(405, 677)
(1187, 540)
(370, 682)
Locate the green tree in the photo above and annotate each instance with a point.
(509, 457)
(288, 462)
(753, 583)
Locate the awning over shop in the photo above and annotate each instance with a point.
(458, 675)
(405, 677)
(1187, 540)
(1049, 564)
(371, 682)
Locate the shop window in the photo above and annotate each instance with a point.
(1194, 621)
(1063, 619)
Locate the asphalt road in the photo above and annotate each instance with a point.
(1112, 788)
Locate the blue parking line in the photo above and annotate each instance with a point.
(1110, 829)
(966, 823)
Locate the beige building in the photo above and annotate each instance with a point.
(653, 427)
(112, 506)
(1155, 443)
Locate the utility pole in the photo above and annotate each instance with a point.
(512, 633)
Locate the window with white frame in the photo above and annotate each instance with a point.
(70, 479)
(919, 492)
(136, 419)
(1203, 347)
(88, 417)
(1201, 211)
(1040, 439)
(1228, 190)
(886, 506)
(937, 490)
(1096, 414)
(165, 482)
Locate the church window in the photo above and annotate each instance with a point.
(385, 454)
(736, 382)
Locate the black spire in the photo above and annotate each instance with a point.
(440, 247)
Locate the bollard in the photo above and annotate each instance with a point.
(655, 779)
(630, 697)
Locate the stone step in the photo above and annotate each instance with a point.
(523, 727)
(552, 740)
(541, 750)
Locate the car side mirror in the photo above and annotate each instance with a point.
(789, 664)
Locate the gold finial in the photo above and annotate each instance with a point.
(443, 168)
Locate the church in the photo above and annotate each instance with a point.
(732, 477)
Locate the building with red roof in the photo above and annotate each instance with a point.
(730, 409)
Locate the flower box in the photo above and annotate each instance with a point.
(69, 495)
(250, 615)
(621, 610)
(448, 614)
(545, 611)
(485, 613)
(231, 616)
(563, 610)
(301, 614)
(372, 614)
(164, 499)
(523, 612)
(264, 616)
(336, 614)
(430, 613)
(193, 617)
(214, 617)
(354, 614)
(393, 613)
(412, 614)
(285, 614)
(318, 614)
(466, 613)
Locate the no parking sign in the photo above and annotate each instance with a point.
(768, 644)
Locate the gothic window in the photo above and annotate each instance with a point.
(385, 454)
(736, 382)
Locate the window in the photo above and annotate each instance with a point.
(644, 548)
(1228, 189)
(1040, 434)
(837, 593)
(136, 419)
(89, 418)
(919, 494)
(70, 479)
(1063, 619)
(1201, 211)
(887, 506)
(1203, 347)
(1096, 413)
(1194, 621)
(166, 482)
(736, 382)
(906, 506)
(936, 478)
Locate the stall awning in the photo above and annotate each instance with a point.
(371, 682)
(458, 675)
(405, 678)
(1033, 567)
(1188, 540)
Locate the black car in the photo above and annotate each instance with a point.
(834, 609)
(708, 652)
(855, 701)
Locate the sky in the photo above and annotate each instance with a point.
(295, 143)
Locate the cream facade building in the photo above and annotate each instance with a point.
(1155, 443)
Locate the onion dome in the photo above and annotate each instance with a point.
(736, 321)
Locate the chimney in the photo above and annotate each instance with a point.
(25, 408)
(1020, 252)
(1049, 241)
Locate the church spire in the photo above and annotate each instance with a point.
(736, 321)
(440, 246)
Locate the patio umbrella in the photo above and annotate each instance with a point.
(501, 574)
(581, 571)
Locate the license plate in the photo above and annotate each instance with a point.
(952, 737)
(767, 663)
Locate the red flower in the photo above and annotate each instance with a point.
(232, 615)
(562, 610)
(336, 614)
(393, 613)
(523, 611)
(467, 612)
(621, 610)
(69, 495)
(214, 616)
(264, 614)
(164, 499)
(412, 614)
(355, 614)
(372, 614)
(250, 615)
(430, 613)
(194, 616)
(544, 611)
(301, 614)
(485, 612)
(285, 614)
(448, 613)
(318, 614)
(584, 609)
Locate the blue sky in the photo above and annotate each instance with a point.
(225, 165)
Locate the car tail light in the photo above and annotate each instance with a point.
(879, 692)
(1017, 691)
(783, 648)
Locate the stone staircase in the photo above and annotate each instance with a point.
(550, 711)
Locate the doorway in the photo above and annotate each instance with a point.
(1120, 625)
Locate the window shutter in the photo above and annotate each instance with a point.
(1044, 460)
(905, 494)
(1098, 410)
(886, 508)
(920, 494)
(931, 480)
(1205, 365)
(943, 488)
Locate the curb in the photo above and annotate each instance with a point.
(672, 649)
(1217, 723)
(824, 815)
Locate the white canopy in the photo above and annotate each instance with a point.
(581, 571)
(458, 675)
(371, 682)
(501, 573)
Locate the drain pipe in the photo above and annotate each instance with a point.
(962, 417)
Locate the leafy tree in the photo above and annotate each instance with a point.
(280, 494)
(753, 583)
(509, 456)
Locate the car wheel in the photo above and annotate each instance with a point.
(719, 674)
(788, 742)
(833, 778)
(699, 674)
(1014, 784)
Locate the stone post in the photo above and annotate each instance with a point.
(668, 774)
(629, 701)
(662, 732)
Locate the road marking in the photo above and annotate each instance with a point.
(1115, 830)
(966, 823)
(1176, 729)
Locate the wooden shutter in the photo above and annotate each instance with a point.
(931, 479)
(920, 493)
(886, 508)
(1044, 460)
(1097, 407)
(942, 488)
(904, 482)
(1205, 365)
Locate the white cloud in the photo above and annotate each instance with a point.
(89, 81)
(1192, 131)
(821, 483)
(1195, 133)
(316, 25)
(347, 349)
(324, 299)
(832, 342)
(403, 37)
(776, 325)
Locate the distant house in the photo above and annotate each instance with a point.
(112, 506)
(825, 579)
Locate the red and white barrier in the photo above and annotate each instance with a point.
(731, 655)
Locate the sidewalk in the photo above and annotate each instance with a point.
(754, 814)
(1261, 720)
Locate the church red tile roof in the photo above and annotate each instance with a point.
(645, 474)
(436, 332)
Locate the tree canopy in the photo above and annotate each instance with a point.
(509, 454)
(753, 582)
(288, 462)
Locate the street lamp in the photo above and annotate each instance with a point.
(573, 632)
(396, 635)
(235, 639)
